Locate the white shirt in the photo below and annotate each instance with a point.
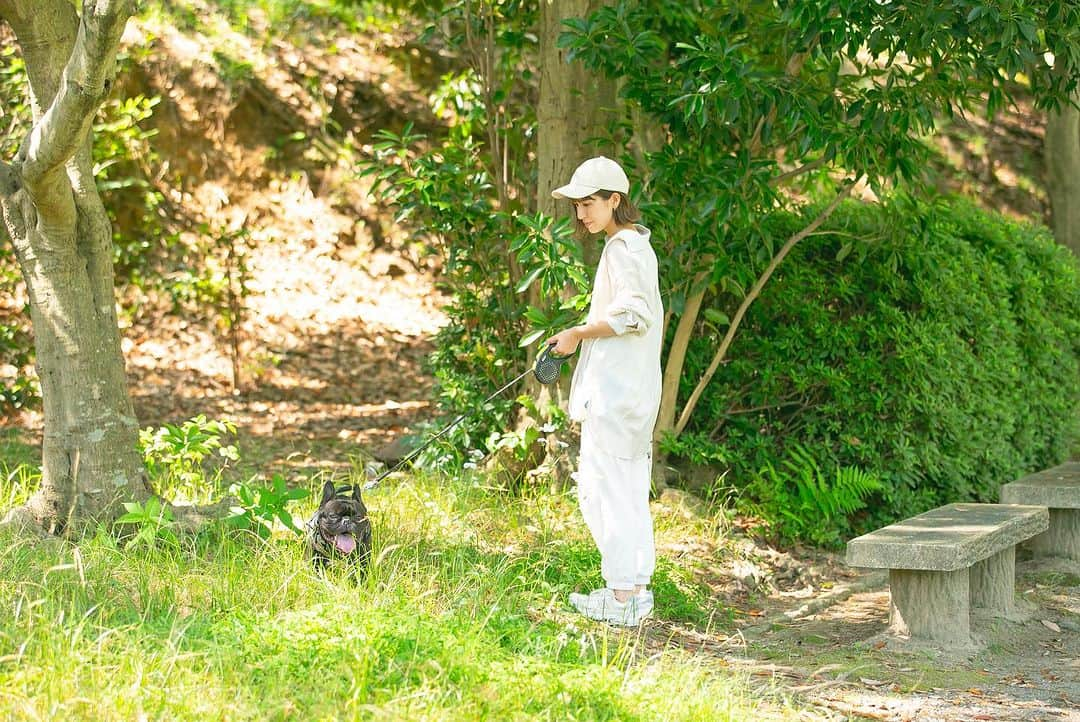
(616, 385)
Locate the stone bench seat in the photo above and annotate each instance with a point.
(1058, 489)
(946, 561)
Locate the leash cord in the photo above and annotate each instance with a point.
(416, 452)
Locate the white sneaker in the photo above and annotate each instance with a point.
(602, 606)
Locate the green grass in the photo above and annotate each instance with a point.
(463, 616)
(19, 475)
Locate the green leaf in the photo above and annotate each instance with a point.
(717, 317)
(529, 338)
(528, 280)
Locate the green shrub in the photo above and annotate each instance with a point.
(188, 460)
(935, 347)
(448, 194)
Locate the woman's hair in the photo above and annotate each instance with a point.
(624, 214)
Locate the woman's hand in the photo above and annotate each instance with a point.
(565, 342)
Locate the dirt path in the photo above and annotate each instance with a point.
(333, 361)
(812, 628)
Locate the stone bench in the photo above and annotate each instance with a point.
(1059, 490)
(944, 562)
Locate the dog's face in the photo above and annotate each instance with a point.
(341, 526)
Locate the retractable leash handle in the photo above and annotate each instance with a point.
(546, 369)
(549, 365)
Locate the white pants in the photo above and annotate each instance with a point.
(614, 496)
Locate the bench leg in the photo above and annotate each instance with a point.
(1062, 539)
(930, 606)
(993, 583)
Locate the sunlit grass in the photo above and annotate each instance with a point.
(462, 616)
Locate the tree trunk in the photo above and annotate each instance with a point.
(575, 107)
(673, 368)
(63, 242)
(1062, 153)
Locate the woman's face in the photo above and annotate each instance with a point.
(597, 214)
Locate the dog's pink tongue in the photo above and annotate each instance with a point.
(345, 543)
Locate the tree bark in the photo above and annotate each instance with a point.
(574, 108)
(63, 243)
(673, 367)
(1062, 151)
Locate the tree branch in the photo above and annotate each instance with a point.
(84, 84)
(750, 298)
(805, 168)
(45, 31)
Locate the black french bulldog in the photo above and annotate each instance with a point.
(340, 529)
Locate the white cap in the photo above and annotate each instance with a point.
(595, 174)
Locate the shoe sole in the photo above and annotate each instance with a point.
(616, 621)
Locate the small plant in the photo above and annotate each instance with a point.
(520, 444)
(552, 260)
(260, 507)
(174, 455)
(153, 522)
(800, 501)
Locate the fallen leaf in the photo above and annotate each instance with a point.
(1051, 626)
(975, 691)
(871, 682)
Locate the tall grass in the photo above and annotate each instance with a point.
(462, 617)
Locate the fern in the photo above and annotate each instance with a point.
(802, 502)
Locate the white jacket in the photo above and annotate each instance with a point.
(616, 385)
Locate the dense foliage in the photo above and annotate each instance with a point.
(941, 354)
(766, 105)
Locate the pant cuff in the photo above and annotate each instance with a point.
(621, 586)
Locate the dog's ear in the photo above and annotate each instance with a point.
(327, 492)
(356, 492)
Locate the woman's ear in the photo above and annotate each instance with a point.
(616, 200)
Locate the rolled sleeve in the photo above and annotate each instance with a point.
(629, 310)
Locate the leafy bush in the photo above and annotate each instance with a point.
(124, 164)
(448, 194)
(176, 456)
(936, 347)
